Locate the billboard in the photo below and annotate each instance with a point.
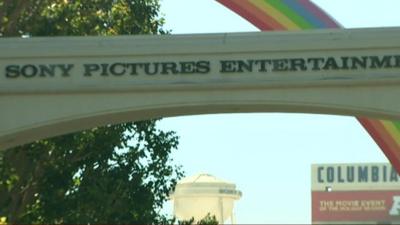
(355, 193)
(357, 206)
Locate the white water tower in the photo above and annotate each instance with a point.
(198, 195)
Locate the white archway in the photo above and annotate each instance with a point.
(51, 86)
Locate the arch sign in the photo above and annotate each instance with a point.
(51, 86)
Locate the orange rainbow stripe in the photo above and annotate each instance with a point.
(270, 15)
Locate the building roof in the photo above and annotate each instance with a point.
(203, 178)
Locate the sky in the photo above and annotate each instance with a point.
(269, 155)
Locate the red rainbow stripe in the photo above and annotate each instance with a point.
(275, 15)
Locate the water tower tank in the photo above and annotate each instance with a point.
(198, 195)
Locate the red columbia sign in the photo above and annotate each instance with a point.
(374, 206)
(355, 193)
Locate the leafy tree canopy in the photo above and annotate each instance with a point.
(79, 17)
(207, 220)
(113, 174)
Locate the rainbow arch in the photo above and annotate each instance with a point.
(270, 15)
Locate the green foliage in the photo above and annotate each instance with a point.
(114, 174)
(79, 17)
(207, 220)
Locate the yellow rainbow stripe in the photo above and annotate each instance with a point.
(279, 16)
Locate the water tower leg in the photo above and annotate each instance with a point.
(221, 208)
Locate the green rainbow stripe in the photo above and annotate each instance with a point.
(281, 14)
(269, 15)
(286, 10)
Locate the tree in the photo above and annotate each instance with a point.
(207, 220)
(113, 174)
(79, 17)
